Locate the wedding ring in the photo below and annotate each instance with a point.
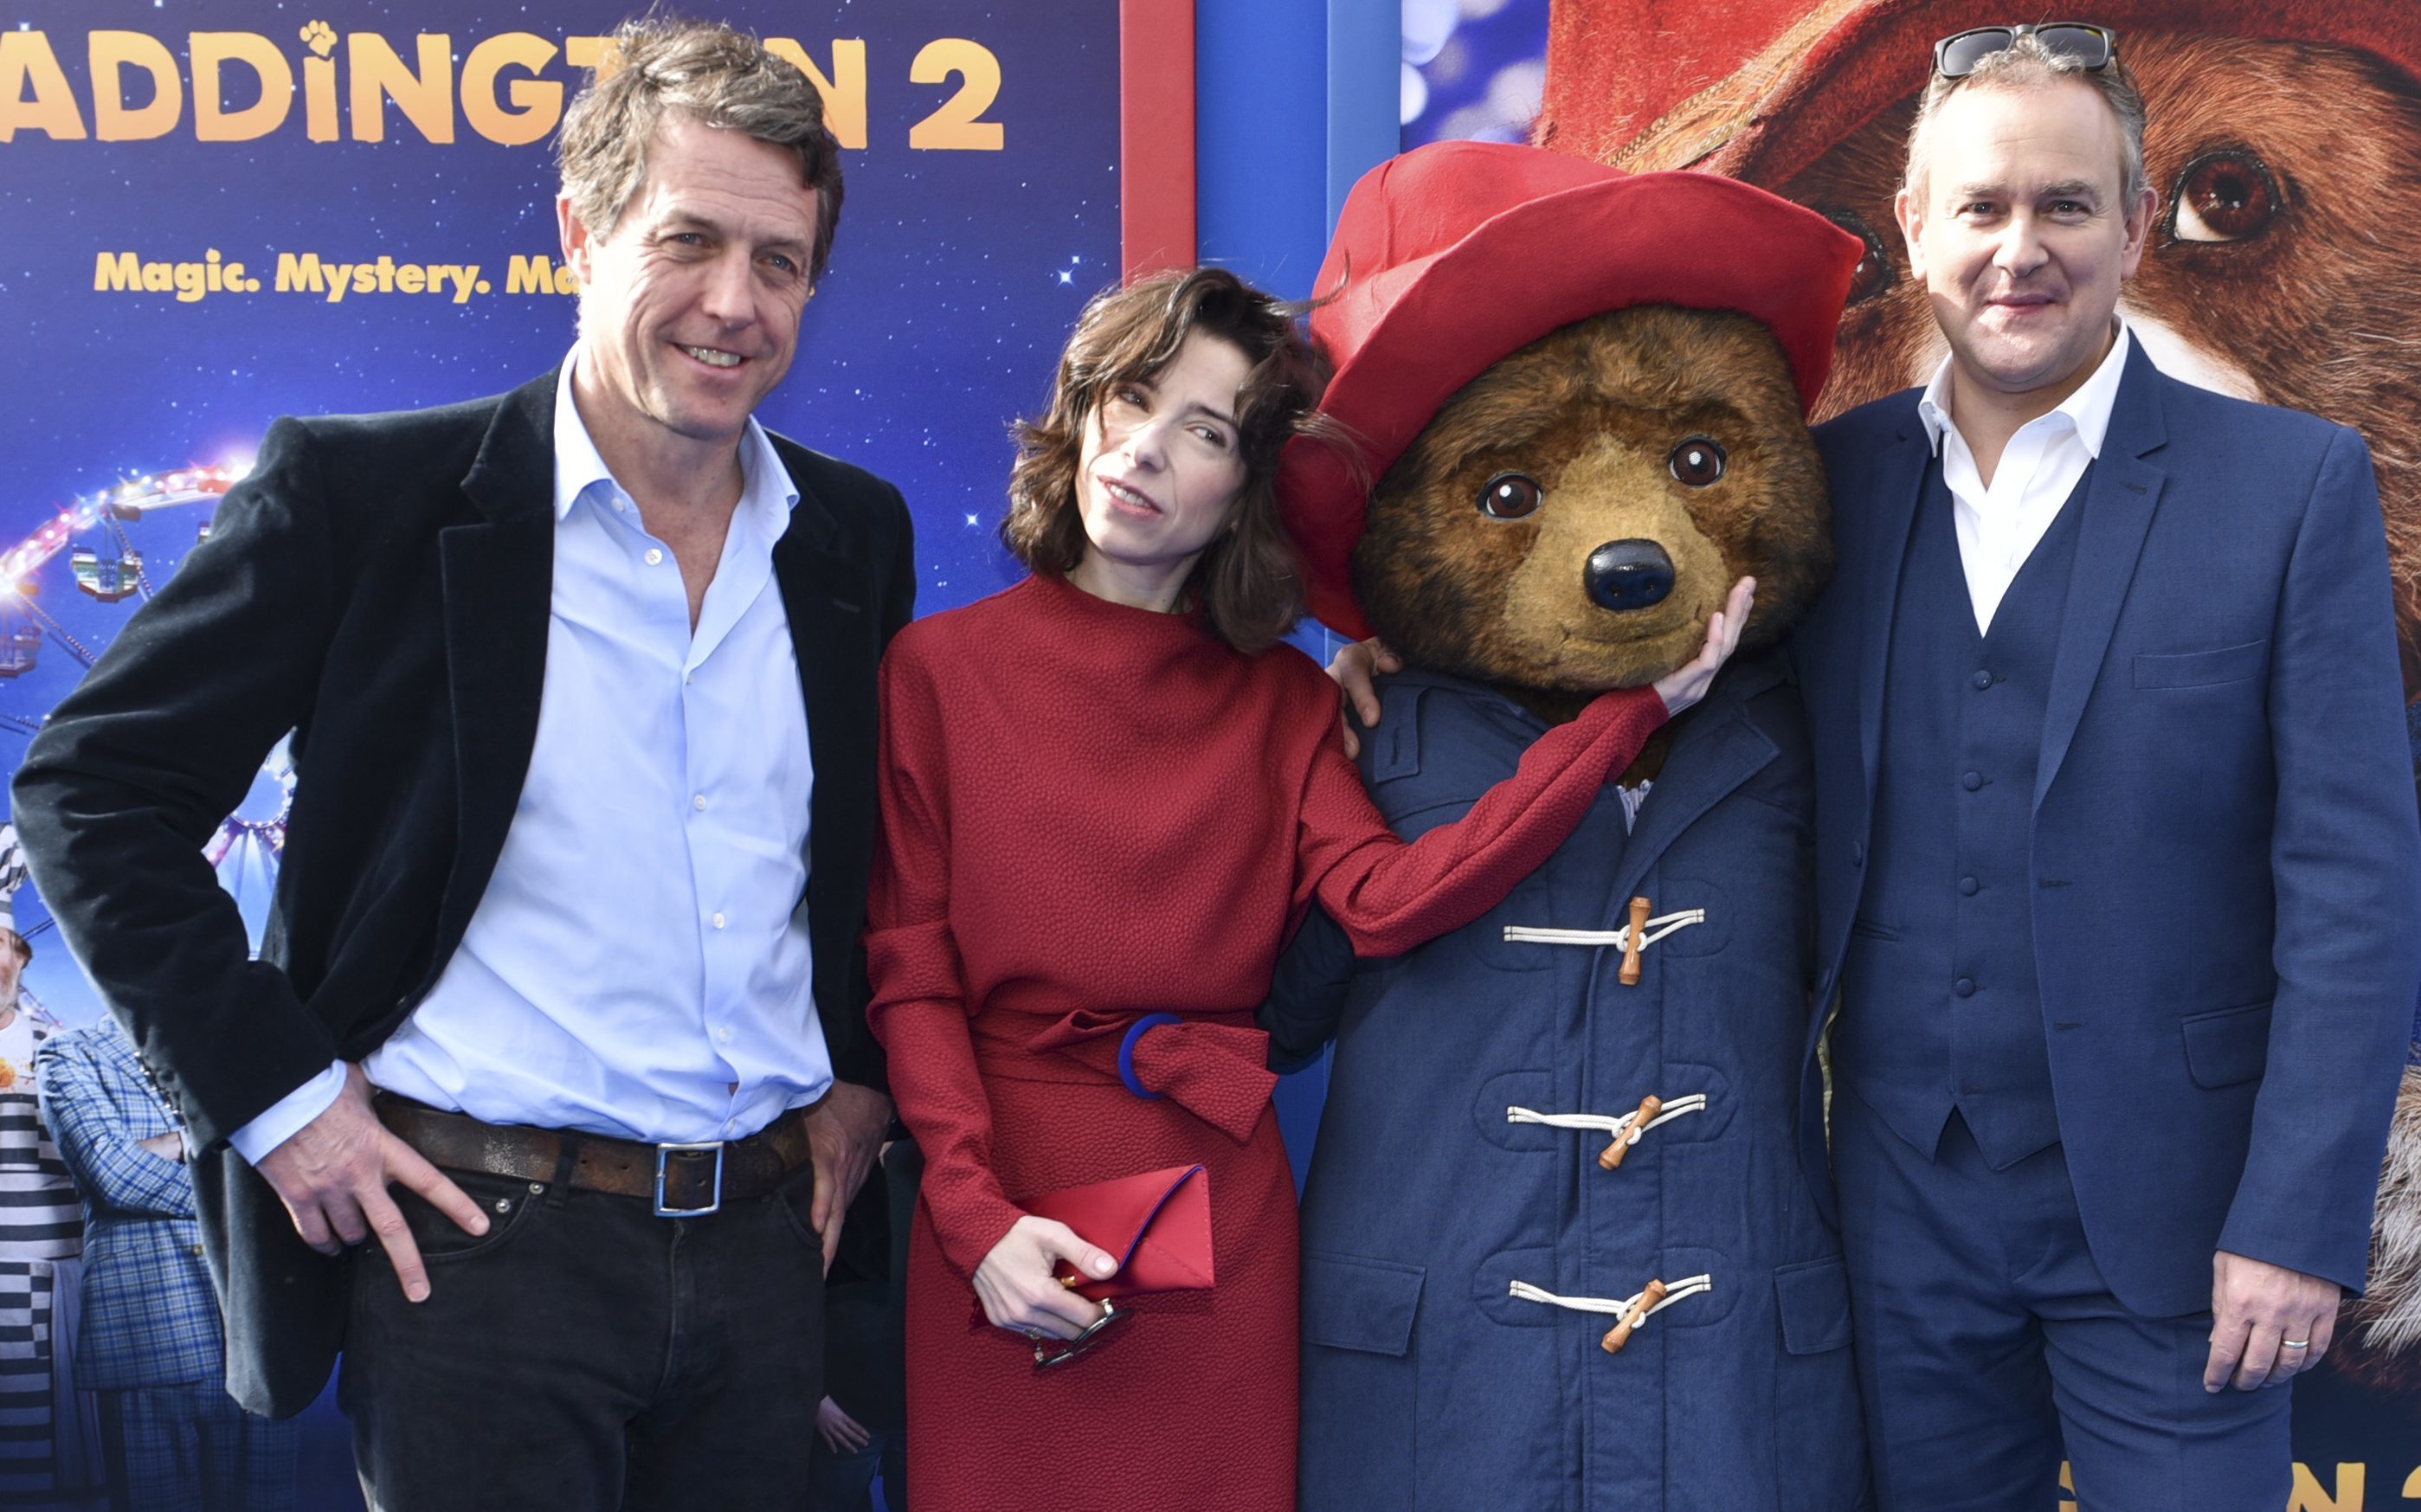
(2294, 1344)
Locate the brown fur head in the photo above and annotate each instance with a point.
(2307, 160)
(2379, 1334)
(1594, 413)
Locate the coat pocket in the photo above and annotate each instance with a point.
(1359, 1383)
(1813, 1299)
(2228, 1047)
(1819, 1437)
(1366, 1306)
(2201, 669)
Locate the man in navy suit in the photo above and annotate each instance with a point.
(2119, 882)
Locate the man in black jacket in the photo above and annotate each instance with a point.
(582, 685)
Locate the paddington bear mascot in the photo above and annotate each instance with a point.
(1560, 1250)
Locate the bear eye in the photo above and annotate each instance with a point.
(1696, 461)
(2226, 195)
(1874, 273)
(1510, 496)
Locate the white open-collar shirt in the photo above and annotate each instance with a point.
(2000, 526)
(637, 966)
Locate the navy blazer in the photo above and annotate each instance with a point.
(2225, 852)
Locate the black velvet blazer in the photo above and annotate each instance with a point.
(380, 586)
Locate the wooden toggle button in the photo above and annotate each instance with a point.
(1612, 1158)
(1618, 1335)
(1629, 977)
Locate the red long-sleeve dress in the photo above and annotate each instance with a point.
(1092, 812)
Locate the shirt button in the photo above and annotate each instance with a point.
(1972, 781)
(1964, 987)
(718, 921)
(1967, 886)
(698, 803)
(725, 1036)
(654, 556)
(1983, 680)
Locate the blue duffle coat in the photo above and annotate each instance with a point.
(1428, 1383)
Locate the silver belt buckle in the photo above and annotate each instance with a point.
(713, 1203)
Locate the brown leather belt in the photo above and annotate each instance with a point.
(681, 1180)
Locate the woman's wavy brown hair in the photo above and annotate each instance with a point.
(1246, 582)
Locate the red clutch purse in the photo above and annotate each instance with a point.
(1156, 1222)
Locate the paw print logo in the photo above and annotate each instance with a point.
(319, 36)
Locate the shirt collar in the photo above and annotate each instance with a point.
(2088, 409)
(766, 495)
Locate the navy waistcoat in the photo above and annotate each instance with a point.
(1941, 1008)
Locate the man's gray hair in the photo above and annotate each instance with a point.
(2026, 64)
(716, 75)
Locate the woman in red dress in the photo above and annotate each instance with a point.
(1107, 794)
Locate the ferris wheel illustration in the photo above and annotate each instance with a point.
(102, 562)
(70, 584)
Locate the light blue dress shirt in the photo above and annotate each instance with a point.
(638, 965)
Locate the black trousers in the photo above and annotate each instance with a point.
(585, 1355)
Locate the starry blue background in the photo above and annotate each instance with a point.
(955, 276)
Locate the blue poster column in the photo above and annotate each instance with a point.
(1293, 102)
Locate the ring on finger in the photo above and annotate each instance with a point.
(2294, 1344)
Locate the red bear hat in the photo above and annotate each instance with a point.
(1459, 254)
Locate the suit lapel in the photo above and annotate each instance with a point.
(497, 577)
(2121, 493)
(1718, 749)
(824, 594)
(1899, 487)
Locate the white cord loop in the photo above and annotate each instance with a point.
(1626, 1127)
(1630, 1312)
(1620, 939)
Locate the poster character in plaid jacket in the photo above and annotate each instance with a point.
(153, 1346)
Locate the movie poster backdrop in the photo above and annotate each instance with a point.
(210, 219)
(2285, 140)
(213, 215)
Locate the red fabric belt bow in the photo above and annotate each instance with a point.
(1213, 1065)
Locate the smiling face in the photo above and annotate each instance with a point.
(2273, 270)
(2017, 224)
(1159, 473)
(690, 305)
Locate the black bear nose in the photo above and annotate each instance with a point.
(1629, 574)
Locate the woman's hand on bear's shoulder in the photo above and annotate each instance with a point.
(1685, 685)
(1353, 667)
(1017, 1285)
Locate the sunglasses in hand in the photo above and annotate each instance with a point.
(1046, 1357)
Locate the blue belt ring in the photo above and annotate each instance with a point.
(1126, 1052)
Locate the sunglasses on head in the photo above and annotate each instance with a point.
(2093, 47)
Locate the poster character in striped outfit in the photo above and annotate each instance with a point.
(45, 1431)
